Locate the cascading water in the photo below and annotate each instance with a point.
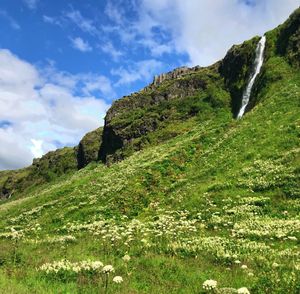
(258, 62)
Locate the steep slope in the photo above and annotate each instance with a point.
(218, 200)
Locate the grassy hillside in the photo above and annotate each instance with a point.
(50, 167)
(219, 200)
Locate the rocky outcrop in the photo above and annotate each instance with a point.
(288, 42)
(88, 148)
(135, 116)
(174, 74)
(236, 68)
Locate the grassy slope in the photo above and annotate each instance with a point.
(213, 168)
(51, 167)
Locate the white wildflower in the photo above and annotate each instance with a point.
(243, 290)
(107, 269)
(126, 258)
(209, 284)
(118, 279)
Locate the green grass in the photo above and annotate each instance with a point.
(202, 194)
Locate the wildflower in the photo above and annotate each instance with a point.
(209, 284)
(107, 269)
(118, 279)
(244, 266)
(96, 265)
(250, 274)
(126, 258)
(275, 265)
(243, 290)
(237, 262)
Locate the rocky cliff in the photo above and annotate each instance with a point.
(172, 97)
(179, 94)
(88, 148)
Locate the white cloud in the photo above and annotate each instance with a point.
(206, 29)
(94, 84)
(81, 45)
(156, 49)
(114, 12)
(109, 48)
(43, 107)
(85, 24)
(36, 148)
(51, 20)
(142, 70)
(31, 4)
(12, 22)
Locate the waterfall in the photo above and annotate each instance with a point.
(258, 62)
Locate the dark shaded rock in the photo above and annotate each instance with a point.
(88, 148)
(288, 42)
(236, 68)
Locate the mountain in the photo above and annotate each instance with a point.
(174, 192)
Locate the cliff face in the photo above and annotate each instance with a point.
(174, 74)
(236, 68)
(171, 97)
(88, 148)
(288, 42)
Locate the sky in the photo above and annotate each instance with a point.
(63, 63)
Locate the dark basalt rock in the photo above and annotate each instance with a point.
(88, 148)
(288, 42)
(236, 68)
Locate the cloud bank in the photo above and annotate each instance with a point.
(43, 109)
(206, 29)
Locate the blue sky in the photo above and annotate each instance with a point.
(84, 36)
(62, 63)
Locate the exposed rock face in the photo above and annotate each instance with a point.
(136, 115)
(130, 117)
(88, 148)
(174, 74)
(288, 43)
(236, 68)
